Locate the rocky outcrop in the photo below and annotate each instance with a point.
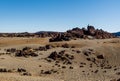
(76, 32)
(91, 30)
(89, 33)
(100, 34)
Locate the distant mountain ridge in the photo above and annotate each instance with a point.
(41, 32)
(117, 34)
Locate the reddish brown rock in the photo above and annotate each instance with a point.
(91, 30)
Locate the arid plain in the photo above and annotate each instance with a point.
(37, 59)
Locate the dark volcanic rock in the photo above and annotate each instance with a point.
(53, 55)
(26, 74)
(60, 37)
(118, 73)
(65, 45)
(25, 52)
(89, 33)
(61, 56)
(48, 46)
(100, 57)
(21, 70)
(4, 70)
(118, 79)
(76, 32)
(42, 48)
(108, 67)
(12, 50)
(91, 30)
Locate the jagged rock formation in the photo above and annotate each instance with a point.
(90, 33)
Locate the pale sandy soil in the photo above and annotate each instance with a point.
(109, 48)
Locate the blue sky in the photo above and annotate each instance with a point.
(58, 15)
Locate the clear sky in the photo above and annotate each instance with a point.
(58, 15)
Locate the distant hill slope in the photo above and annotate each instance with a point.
(117, 34)
(41, 32)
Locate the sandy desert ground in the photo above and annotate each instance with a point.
(75, 60)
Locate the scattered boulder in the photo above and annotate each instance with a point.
(70, 67)
(86, 53)
(4, 70)
(26, 48)
(96, 71)
(88, 59)
(12, 50)
(48, 72)
(65, 45)
(100, 56)
(48, 46)
(118, 79)
(81, 66)
(118, 73)
(25, 52)
(21, 70)
(113, 80)
(63, 67)
(108, 67)
(104, 71)
(61, 57)
(82, 63)
(53, 55)
(42, 48)
(26, 74)
(77, 51)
